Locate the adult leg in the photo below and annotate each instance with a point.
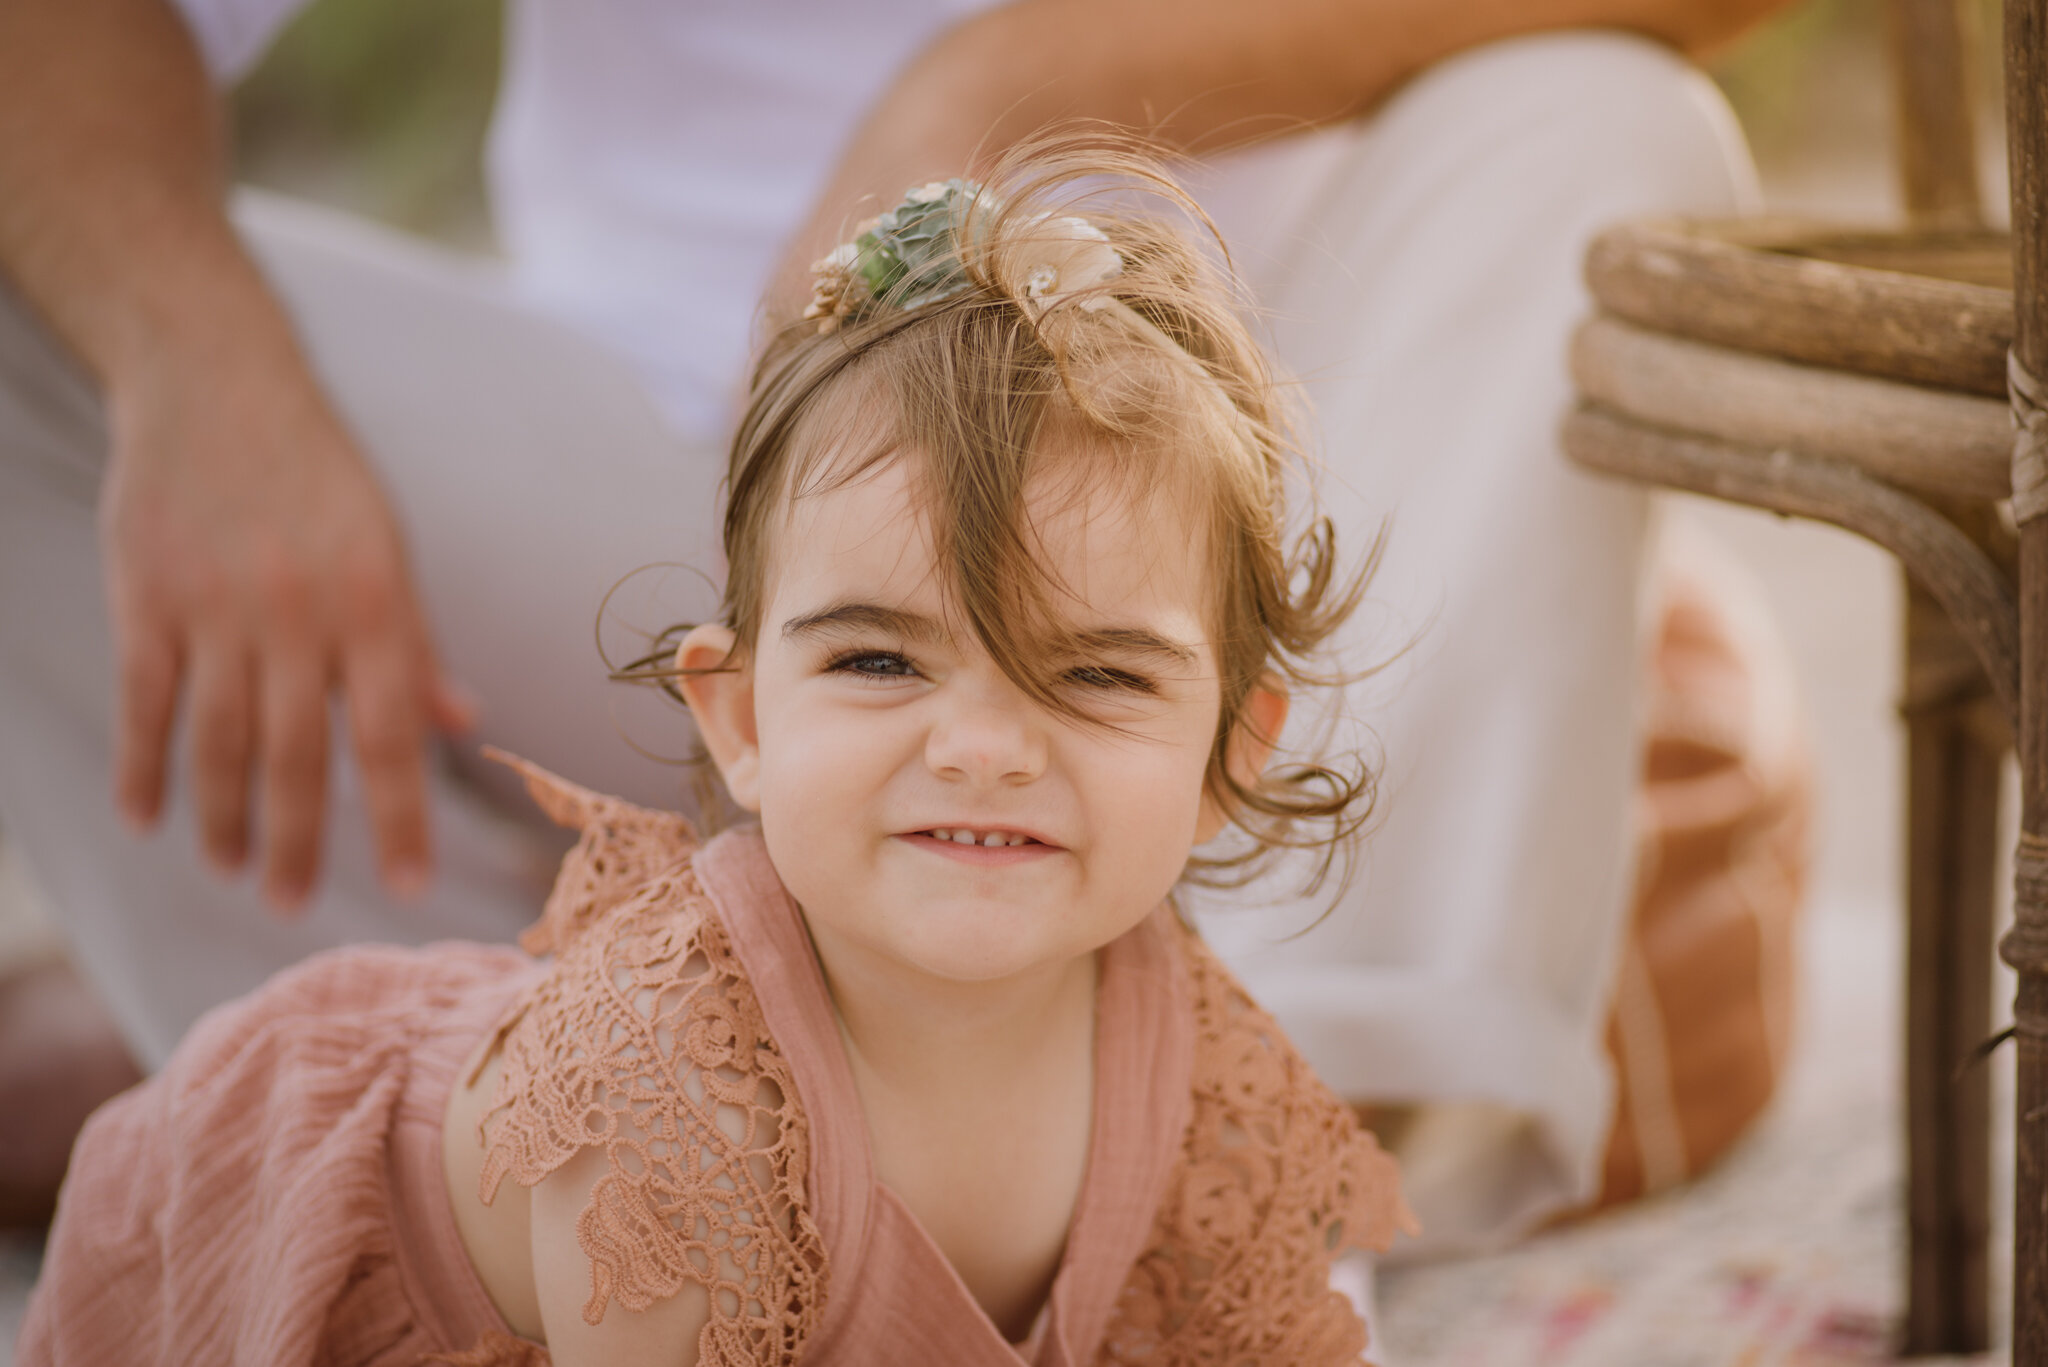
(1422, 270)
(531, 476)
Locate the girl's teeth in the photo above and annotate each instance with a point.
(994, 840)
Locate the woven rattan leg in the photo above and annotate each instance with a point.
(2026, 946)
(1956, 741)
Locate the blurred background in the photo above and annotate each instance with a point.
(381, 106)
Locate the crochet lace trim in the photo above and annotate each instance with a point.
(620, 850)
(1275, 1179)
(647, 1042)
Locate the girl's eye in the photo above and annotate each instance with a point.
(873, 664)
(1108, 679)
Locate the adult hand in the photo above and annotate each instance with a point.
(253, 564)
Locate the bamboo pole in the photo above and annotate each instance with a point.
(1937, 136)
(1955, 746)
(2026, 946)
(1952, 772)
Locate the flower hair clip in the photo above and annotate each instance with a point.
(911, 256)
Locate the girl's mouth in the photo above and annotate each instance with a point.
(987, 839)
(980, 844)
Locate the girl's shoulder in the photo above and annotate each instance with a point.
(645, 1043)
(1274, 1180)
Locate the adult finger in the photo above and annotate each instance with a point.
(294, 770)
(222, 726)
(148, 684)
(453, 707)
(386, 695)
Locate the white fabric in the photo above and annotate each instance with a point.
(1422, 271)
(1423, 284)
(233, 34)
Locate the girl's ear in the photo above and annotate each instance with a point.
(1251, 745)
(720, 692)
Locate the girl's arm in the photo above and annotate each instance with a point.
(663, 1335)
(1197, 74)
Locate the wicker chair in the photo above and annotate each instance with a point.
(1875, 381)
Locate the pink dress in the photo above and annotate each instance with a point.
(275, 1196)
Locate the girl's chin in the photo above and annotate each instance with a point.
(959, 941)
(977, 956)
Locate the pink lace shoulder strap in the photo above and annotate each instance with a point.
(622, 847)
(646, 1041)
(1274, 1180)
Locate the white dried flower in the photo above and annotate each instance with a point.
(835, 288)
(1064, 256)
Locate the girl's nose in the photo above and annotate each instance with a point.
(987, 734)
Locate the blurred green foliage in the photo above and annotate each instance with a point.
(379, 105)
(1771, 73)
(1764, 72)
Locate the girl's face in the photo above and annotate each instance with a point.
(918, 805)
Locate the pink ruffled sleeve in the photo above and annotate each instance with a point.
(622, 848)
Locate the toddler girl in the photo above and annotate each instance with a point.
(922, 1067)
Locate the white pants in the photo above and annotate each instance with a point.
(1421, 269)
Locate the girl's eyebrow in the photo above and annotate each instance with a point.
(1138, 641)
(846, 617)
(915, 626)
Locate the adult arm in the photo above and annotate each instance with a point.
(1197, 74)
(252, 563)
